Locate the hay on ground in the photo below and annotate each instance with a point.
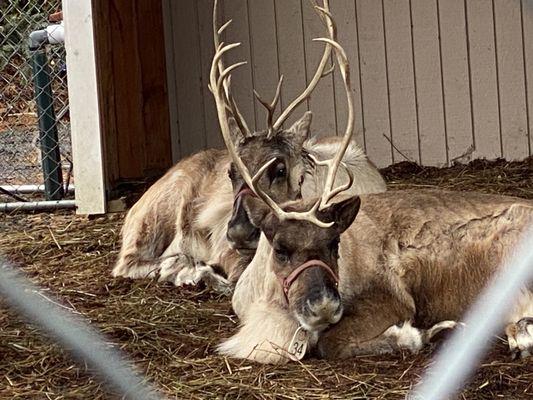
(171, 333)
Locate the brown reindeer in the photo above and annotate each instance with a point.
(408, 266)
(411, 259)
(191, 223)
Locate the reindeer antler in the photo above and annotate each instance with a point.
(219, 86)
(333, 164)
(229, 100)
(271, 107)
(320, 72)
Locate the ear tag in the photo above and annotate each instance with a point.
(298, 344)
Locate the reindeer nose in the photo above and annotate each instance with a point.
(240, 230)
(241, 233)
(322, 311)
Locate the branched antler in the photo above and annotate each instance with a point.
(271, 107)
(229, 100)
(273, 127)
(220, 85)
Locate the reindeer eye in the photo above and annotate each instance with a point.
(282, 255)
(278, 171)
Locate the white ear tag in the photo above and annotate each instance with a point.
(298, 344)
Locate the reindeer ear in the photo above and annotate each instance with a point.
(234, 130)
(260, 216)
(301, 129)
(342, 213)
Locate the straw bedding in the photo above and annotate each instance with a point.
(171, 333)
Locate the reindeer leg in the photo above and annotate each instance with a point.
(172, 266)
(520, 337)
(350, 338)
(201, 272)
(370, 327)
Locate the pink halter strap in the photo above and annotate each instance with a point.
(245, 191)
(287, 282)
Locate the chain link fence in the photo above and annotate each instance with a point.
(35, 145)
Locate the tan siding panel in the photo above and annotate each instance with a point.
(485, 105)
(428, 82)
(401, 79)
(322, 101)
(238, 32)
(344, 12)
(435, 99)
(264, 54)
(374, 81)
(511, 78)
(172, 73)
(189, 79)
(456, 79)
(291, 55)
(527, 18)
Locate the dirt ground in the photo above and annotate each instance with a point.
(171, 333)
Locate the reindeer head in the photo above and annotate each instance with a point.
(282, 179)
(304, 257)
(281, 148)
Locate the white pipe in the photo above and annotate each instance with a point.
(29, 189)
(56, 33)
(37, 205)
(485, 319)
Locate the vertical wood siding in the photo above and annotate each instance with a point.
(435, 81)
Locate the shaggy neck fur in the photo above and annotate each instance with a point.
(267, 328)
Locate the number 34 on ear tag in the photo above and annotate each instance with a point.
(298, 344)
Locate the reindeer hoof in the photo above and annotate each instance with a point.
(202, 273)
(405, 336)
(520, 337)
(441, 331)
(172, 266)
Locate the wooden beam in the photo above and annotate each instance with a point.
(84, 111)
(131, 70)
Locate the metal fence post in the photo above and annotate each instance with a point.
(51, 161)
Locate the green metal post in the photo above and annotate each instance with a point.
(51, 158)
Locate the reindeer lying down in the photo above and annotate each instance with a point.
(410, 263)
(191, 224)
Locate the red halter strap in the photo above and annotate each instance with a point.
(287, 282)
(245, 190)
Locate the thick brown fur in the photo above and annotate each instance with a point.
(416, 257)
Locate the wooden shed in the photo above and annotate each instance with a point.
(435, 81)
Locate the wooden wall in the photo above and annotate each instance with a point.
(434, 80)
(131, 75)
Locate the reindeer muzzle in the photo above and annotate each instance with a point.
(287, 282)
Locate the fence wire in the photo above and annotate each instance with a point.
(86, 344)
(32, 159)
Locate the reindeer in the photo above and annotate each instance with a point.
(372, 273)
(191, 226)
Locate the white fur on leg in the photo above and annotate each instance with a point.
(139, 271)
(405, 336)
(194, 275)
(520, 337)
(263, 337)
(171, 266)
